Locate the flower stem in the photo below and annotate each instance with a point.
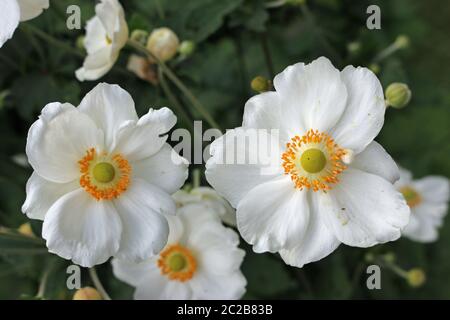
(178, 83)
(267, 56)
(50, 39)
(98, 285)
(43, 284)
(174, 101)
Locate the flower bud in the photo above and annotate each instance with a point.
(260, 84)
(187, 47)
(416, 277)
(354, 47)
(163, 43)
(374, 67)
(140, 36)
(389, 257)
(80, 42)
(87, 293)
(398, 95)
(402, 42)
(25, 229)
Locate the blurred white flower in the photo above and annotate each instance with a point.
(14, 11)
(210, 198)
(106, 35)
(327, 181)
(428, 199)
(201, 261)
(103, 177)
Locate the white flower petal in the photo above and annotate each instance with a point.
(30, 9)
(425, 221)
(158, 287)
(96, 65)
(312, 96)
(273, 215)
(131, 272)
(112, 17)
(363, 209)
(145, 229)
(405, 177)
(235, 167)
(364, 115)
(144, 138)
(79, 228)
(374, 159)
(42, 194)
(109, 106)
(213, 287)
(95, 35)
(9, 19)
(317, 242)
(434, 189)
(58, 140)
(165, 169)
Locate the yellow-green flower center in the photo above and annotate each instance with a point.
(313, 160)
(177, 262)
(411, 196)
(104, 172)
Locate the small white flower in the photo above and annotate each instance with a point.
(106, 35)
(428, 199)
(210, 198)
(14, 11)
(307, 201)
(201, 261)
(103, 177)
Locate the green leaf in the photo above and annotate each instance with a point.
(11, 243)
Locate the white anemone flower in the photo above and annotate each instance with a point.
(428, 199)
(106, 35)
(210, 198)
(201, 261)
(103, 177)
(326, 181)
(14, 11)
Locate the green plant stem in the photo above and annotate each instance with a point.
(98, 285)
(50, 39)
(178, 83)
(43, 284)
(174, 101)
(267, 55)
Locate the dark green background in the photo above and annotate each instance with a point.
(229, 54)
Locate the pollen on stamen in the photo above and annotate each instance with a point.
(104, 191)
(324, 179)
(183, 272)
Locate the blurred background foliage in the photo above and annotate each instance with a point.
(231, 37)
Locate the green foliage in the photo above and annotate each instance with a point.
(229, 53)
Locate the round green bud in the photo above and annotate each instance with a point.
(186, 48)
(402, 42)
(398, 95)
(80, 42)
(260, 84)
(416, 277)
(140, 36)
(389, 257)
(354, 47)
(375, 68)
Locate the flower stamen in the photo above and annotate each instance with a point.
(177, 263)
(411, 196)
(104, 177)
(313, 161)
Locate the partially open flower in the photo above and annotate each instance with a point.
(14, 11)
(428, 199)
(200, 261)
(106, 35)
(163, 43)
